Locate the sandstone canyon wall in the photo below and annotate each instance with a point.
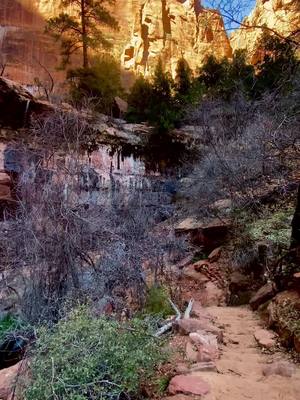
(24, 49)
(148, 29)
(171, 29)
(281, 15)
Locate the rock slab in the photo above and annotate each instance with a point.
(265, 338)
(188, 384)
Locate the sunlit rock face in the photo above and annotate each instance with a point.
(25, 50)
(171, 29)
(281, 15)
(147, 29)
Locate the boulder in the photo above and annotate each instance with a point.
(187, 325)
(240, 287)
(282, 368)
(17, 105)
(265, 338)
(281, 313)
(188, 384)
(185, 261)
(190, 273)
(264, 294)
(207, 346)
(208, 234)
(239, 281)
(12, 350)
(207, 353)
(222, 206)
(5, 192)
(198, 311)
(5, 179)
(213, 295)
(7, 380)
(191, 352)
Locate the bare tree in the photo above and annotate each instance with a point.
(47, 85)
(233, 12)
(246, 148)
(69, 246)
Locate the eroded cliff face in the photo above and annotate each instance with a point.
(171, 29)
(281, 15)
(24, 48)
(25, 51)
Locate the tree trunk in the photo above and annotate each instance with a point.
(295, 239)
(85, 63)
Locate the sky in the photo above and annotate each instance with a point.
(237, 8)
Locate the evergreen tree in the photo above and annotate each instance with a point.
(80, 29)
(277, 66)
(183, 78)
(163, 111)
(139, 100)
(213, 73)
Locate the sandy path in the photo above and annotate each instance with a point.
(241, 362)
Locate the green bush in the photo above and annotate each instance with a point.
(139, 101)
(9, 324)
(275, 228)
(153, 101)
(100, 83)
(157, 302)
(84, 357)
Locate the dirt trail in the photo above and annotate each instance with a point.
(240, 366)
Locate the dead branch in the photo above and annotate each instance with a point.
(188, 309)
(165, 328)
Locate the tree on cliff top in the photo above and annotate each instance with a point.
(80, 28)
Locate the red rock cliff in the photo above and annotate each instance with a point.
(281, 15)
(170, 29)
(24, 49)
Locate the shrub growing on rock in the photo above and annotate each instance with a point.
(101, 83)
(84, 357)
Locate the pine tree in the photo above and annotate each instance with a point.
(183, 77)
(81, 29)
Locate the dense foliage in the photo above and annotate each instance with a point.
(153, 101)
(222, 78)
(277, 66)
(84, 357)
(100, 83)
(163, 101)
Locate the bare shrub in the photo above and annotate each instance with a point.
(247, 147)
(69, 245)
